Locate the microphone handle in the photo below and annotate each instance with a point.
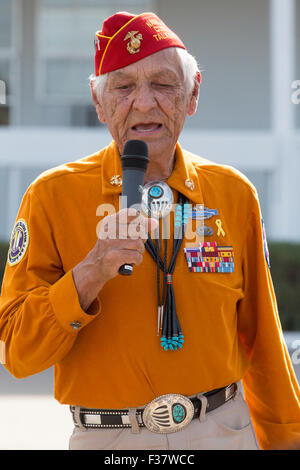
(132, 181)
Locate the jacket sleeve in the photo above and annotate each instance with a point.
(39, 302)
(270, 385)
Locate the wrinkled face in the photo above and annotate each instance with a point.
(147, 100)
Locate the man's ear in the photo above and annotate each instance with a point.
(97, 104)
(192, 107)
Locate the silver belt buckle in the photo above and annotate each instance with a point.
(168, 413)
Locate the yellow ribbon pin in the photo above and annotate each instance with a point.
(220, 229)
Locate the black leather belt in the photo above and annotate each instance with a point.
(165, 414)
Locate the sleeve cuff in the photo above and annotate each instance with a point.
(66, 307)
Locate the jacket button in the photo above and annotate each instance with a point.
(75, 325)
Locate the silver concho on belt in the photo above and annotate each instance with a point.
(168, 413)
(157, 199)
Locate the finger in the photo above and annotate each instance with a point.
(124, 218)
(119, 257)
(152, 224)
(115, 226)
(140, 227)
(127, 244)
(132, 244)
(127, 223)
(127, 215)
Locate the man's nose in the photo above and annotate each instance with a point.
(144, 98)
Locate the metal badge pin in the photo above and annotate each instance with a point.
(157, 199)
(204, 231)
(134, 45)
(190, 184)
(116, 180)
(200, 212)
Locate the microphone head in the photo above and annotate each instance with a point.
(135, 155)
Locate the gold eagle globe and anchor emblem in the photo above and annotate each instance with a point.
(134, 45)
(116, 180)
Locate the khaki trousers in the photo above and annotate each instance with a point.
(227, 427)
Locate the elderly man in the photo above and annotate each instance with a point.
(64, 302)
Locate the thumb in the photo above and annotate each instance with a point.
(153, 224)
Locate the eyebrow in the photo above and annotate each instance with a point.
(165, 73)
(162, 73)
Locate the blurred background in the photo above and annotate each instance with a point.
(248, 117)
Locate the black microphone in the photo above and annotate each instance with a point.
(134, 165)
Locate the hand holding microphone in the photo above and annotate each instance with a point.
(134, 165)
(122, 235)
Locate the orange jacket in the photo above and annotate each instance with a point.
(114, 360)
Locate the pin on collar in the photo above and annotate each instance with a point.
(116, 180)
(190, 184)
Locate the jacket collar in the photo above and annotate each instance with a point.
(184, 177)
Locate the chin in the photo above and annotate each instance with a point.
(162, 149)
(157, 148)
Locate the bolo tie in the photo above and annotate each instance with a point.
(157, 201)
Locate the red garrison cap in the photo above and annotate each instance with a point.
(126, 38)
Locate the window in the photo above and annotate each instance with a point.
(296, 91)
(6, 62)
(65, 55)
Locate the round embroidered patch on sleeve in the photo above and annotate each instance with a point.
(18, 242)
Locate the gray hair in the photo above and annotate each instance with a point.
(189, 68)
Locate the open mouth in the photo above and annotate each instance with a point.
(147, 127)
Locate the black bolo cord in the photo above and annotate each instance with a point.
(172, 337)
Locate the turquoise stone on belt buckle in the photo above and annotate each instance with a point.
(168, 413)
